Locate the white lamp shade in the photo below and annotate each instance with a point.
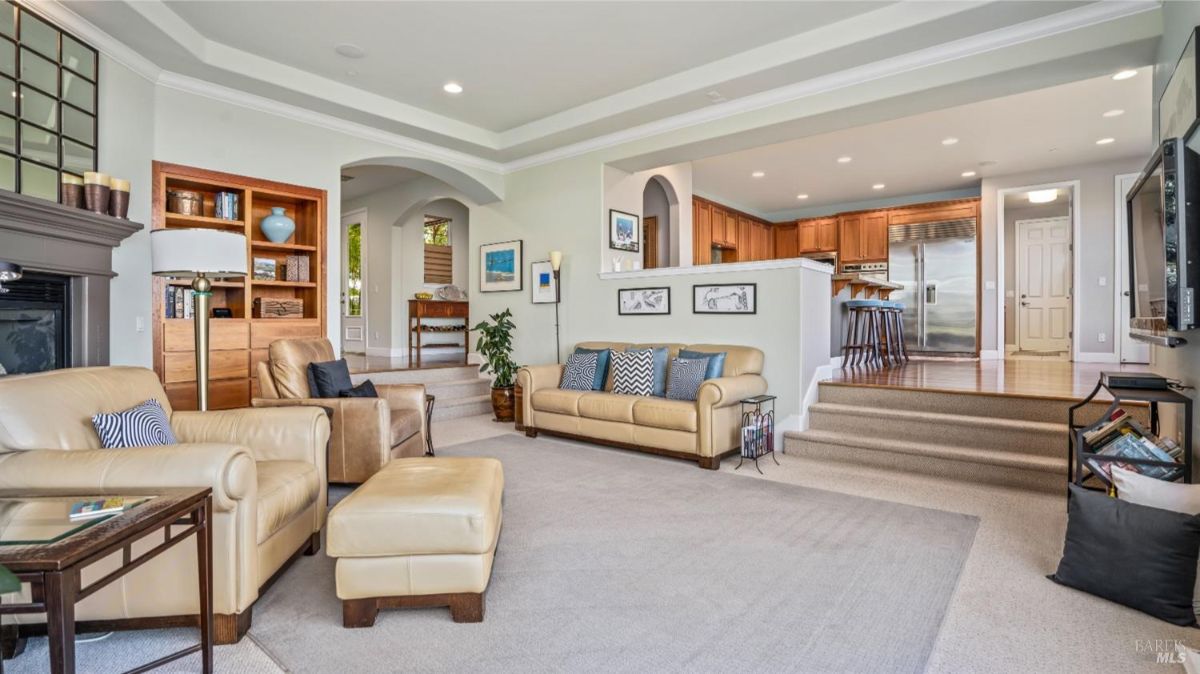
(188, 253)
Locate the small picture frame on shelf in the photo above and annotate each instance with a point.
(644, 302)
(725, 298)
(265, 269)
(222, 312)
(624, 231)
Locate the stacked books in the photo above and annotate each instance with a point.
(1125, 438)
(88, 510)
(178, 302)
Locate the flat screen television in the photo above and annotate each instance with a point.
(1164, 245)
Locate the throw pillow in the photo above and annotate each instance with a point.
(661, 355)
(716, 362)
(1174, 496)
(687, 375)
(363, 390)
(633, 372)
(580, 372)
(332, 378)
(602, 362)
(1142, 557)
(142, 425)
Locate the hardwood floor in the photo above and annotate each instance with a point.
(360, 364)
(1026, 378)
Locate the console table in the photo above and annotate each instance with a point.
(419, 310)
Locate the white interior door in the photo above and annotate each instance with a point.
(354, 274)
(1130, 350)
(1044, 284)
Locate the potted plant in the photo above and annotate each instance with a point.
(495, 345)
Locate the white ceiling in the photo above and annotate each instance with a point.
(550, 78)
(1055, 126)
(372, 178)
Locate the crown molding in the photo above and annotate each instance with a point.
(102, 41)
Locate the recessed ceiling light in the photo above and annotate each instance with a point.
(1042, 196)
(1124, 75)
(968, 174)
(452, 88)
(1106, 141)
(949, 141)
(878, 186)
(1114, 113)
(845, 160)
(350, 51)
(757, 174)
(801, 196)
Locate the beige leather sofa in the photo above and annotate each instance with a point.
(705, 430)
(366, 432)
(266, 469)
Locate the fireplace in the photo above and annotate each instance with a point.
(35, 324)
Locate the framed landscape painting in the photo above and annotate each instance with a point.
(624, 231)
(543, 286)
(644, 301)
(725, 298)
(500, 267)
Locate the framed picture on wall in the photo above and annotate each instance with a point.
(644, 301)
(543, 287)
(624, 231)
(725, 298)
(500, 267)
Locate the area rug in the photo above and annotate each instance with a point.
(616, 561)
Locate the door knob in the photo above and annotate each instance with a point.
(1024, 303)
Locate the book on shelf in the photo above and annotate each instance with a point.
(1130, 444)
(89, 510)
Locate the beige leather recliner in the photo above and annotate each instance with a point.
(366, 432)
(705, 430)
(266, 469)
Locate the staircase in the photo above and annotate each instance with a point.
(987, 438)
(460, 391)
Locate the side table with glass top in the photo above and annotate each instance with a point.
(48, 553)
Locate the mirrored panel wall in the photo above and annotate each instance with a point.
(48, 85)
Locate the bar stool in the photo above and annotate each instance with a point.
(860, 343)
(893, 329)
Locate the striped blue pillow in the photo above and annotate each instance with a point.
(143, 425)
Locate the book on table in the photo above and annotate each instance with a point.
(91, 509)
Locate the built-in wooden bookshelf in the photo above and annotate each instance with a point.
(237, 344)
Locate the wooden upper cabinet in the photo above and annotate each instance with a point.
(807, 236)
(732, 230)
(827, 235)
(863, 236)
(936, 212)
(875, 236)
(850, 238)
(701, 232)
(787, 242)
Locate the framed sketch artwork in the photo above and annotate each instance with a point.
(725, 298)
(543, 286)
(500, 267)
(644, 301)
(624, 231)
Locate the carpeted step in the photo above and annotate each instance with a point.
(1047, 410)
(949, 461)
(1008, 435)
(458, 388)
(423, 376)
(456, 408)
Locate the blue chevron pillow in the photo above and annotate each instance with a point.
(686, 377)
(143, 425)
(633, 372)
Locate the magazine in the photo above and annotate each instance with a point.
(87, 510)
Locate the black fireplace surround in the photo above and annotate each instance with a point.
(35, 324)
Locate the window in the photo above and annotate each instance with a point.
(353, 264)
(48, 84)
(438, 252)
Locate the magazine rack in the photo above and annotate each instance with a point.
(1079, 452)
(758, 430)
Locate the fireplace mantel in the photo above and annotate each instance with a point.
(48, 237)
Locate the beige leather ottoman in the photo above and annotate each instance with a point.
(421, 532)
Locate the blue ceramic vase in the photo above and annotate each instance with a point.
(277, 226)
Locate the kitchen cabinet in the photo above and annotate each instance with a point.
(701, 232)
(787, 242)
(817, 235)
(863, 236)
(875, 235)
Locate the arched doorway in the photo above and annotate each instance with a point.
(660, 224)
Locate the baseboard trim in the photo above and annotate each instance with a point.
(1096, 357)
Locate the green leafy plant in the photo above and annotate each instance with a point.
(495, 345)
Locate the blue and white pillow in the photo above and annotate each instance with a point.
(580, 372)
(633, 372)
(143, 425)
(661, 357)
(716, 362)
(687, 375)
(603, 358)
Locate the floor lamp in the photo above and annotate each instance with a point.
(204, 256)
(555, 266)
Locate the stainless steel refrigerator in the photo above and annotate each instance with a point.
(935, 262)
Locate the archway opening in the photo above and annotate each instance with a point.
(660, 224)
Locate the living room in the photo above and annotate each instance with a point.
(564, 163)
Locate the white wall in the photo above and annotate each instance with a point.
(1094, 249)
(624, 191)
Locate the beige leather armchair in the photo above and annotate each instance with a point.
(266, 469)
(704, 430)
(366, 432)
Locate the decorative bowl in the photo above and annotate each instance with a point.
(423, 296)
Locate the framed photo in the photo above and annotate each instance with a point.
(543, 286)
(265, 269)
(1177, 107)
(500, 267)
(624, 231)
(725, 298)
(644, 302)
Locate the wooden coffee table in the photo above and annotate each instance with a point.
(55, 551)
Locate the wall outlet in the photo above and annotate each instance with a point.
(376, 335)
(989, 285)
(1103, 337)
(1103, 281)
